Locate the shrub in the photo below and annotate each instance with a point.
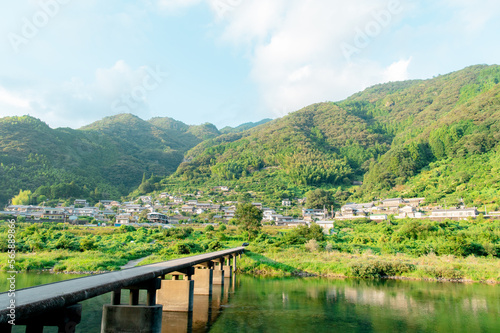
(378, 268)
(182, 248)
(312, 245)
(214, 246)
(329, 247)
(444, 273)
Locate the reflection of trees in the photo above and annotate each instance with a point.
(320, 305)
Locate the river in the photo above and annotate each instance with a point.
(254, 304)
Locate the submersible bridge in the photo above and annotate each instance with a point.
(58, 304)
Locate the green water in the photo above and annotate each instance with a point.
(326, 305)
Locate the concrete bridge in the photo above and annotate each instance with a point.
(57, 304)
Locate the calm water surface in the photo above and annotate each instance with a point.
(316, 305)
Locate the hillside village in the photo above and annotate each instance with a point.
(167, 210)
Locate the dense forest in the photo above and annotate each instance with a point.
(436, 138)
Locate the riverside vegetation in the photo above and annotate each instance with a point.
(414, 249)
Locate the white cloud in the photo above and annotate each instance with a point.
(10, 100)
(398, 71)
(118, 89)
(472, 16)
(296, 51)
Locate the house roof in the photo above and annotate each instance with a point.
(454, 210)
(393, 199)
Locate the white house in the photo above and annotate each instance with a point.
(455, 213)
(124, 218)
(378, 217)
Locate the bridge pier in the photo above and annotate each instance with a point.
(65, 320)
(57, 305)
(227, 267)
(177, 295)
(234, 264)
(203, 279)
(218, 272)
(133, 317)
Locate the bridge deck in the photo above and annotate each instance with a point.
(39, 299)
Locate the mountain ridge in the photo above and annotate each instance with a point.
(394, 137)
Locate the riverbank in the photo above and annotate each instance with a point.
(298, 262)
(418, 250)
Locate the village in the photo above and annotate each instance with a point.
(167, 210)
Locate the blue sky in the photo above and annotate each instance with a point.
(72, 62)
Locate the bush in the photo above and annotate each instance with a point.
(312, 245)
(444, 273)
(214, 246)
(182, 248)
(378, 268)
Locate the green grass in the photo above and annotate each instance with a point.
(297, 261)
(464, 251)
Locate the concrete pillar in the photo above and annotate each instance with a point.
(218, 276)
(234, 264)
(203, 279)
(129, 319)
(228, 271)
(65, 319)
(176, 295)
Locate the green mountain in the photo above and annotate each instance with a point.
(106, 159)
(243, 127)
(436, 138)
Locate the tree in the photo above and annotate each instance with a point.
(23, 198)
(319, 198)
(143, 216)
(249, 219)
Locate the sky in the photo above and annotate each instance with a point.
(227, 62)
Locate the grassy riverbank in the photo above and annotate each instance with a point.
(447, 250)
(296, 261)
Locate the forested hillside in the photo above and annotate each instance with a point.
(436, 138)
(106, 159)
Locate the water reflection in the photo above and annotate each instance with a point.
(321, 305)
(206, 310)
(249, 304)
